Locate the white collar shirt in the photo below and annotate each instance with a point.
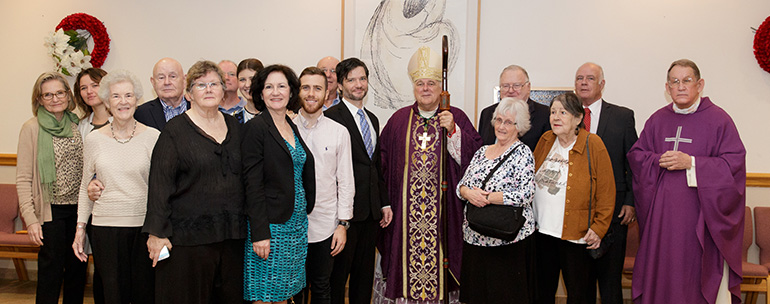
(329, 142)
(354, 111)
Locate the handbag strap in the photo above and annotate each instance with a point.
(591, 182)
(491, 172)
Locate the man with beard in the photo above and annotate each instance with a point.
(330, 144)
(370, 203)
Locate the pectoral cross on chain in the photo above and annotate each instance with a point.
(425, 139)
(678, 139)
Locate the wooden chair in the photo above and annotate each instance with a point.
(762, 220)
(756, 278)
(15, 245)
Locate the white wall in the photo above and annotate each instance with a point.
(634, 41)
(296, 33)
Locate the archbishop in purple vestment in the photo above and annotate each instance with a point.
(410, 245)
(687, 233)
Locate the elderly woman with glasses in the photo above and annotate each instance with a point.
(196, 201)
(574, 201)
(119, 154)
(496, 270)
(48, 172)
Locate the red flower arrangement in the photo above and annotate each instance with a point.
(81, 21)
(762, 45)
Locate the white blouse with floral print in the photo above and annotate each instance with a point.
(515, 178)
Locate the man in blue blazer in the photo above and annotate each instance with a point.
(168, 81)
(616, 127)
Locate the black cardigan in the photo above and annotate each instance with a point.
(195, 187)
(269, 177)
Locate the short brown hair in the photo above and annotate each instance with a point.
(258, 85)
(37, 90)
(96, 75)
(687, 63)
(311, 70)
(200, 69)
(572, 104)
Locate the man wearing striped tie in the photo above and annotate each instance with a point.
(370, 203)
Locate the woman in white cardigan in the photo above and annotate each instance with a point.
(119, 154)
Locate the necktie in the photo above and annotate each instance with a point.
(587, 119)
(365, 132)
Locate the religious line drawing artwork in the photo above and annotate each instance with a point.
(395, 29)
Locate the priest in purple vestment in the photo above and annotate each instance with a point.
(689, 168)
(410, 248)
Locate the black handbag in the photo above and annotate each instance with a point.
(608, 237)
(497, 221)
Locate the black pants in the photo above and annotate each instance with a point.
(210, 273)
(499, 274)
(554, 255)
(356, 261)
(609, 268)
(319, 265)
(121, 257)
(98, 287)
(57, 265)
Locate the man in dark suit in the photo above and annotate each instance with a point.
(370, 203)
(514, 82)
(616, 127)
(168, 81)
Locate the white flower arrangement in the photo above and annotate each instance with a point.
(68, 51)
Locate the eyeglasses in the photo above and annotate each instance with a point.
(59, 94)
(200, 86)
(675, 82)
(329, 71)
(514, 86)
(506, 123)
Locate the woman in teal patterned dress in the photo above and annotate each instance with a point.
(277, 199)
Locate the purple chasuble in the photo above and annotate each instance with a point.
(686, 233)
(410, 245)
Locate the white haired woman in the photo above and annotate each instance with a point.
(119, 154)
(496, 270)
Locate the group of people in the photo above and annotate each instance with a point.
(292, 192)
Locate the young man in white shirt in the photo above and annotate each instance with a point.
(335, 186)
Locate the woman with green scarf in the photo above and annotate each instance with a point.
(48, 173)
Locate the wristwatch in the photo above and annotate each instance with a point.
(345, 224)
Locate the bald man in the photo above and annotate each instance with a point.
(329, 66)
(168, 81)
(232, 103)
(616, 127)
